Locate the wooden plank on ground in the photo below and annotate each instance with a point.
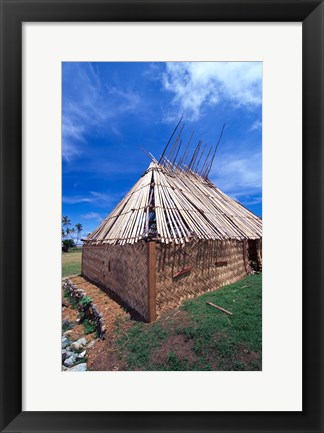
(220, 308)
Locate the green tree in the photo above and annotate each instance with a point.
(68, 243)
(79, 229)
(72, 233)
(67, 232)
(66, 222)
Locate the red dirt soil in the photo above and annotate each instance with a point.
(178, 345)
(104, 355)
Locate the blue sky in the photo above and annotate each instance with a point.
(111, 109)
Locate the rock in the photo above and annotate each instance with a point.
(64, 368)
(67, 333)
(64, 355)
(82, 341)
(91, 344)
(76, 346)
(79, 367)
(70, 361)
(65, 342)
(69, 353)
(81, 355)
(66, 324)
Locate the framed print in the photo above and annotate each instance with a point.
(84, 86)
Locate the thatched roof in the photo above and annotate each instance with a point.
(173, 204)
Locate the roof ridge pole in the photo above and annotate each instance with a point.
(174, 145)
(207, 165)
(153, 158)
(184, 156)
(194, 155)
(148, 154)
(212, 160)
(206, 162)
(175, 158)
(197, 165)
(163, 153)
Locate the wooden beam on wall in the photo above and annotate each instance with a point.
(151, 271)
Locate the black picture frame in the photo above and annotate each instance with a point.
(13, 14)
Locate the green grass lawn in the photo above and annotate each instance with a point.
(71, 262)
(199, 336)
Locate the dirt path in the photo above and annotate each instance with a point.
(104, 354)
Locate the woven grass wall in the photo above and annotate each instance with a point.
(183, 271)
(121, 269)
(186, 271)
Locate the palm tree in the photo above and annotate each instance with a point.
(67, 232)
(72, 231)
(79, 229)
(66, 222)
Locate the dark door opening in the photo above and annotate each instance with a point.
(254, 255)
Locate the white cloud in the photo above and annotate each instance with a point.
(197, 85)
(239, 175)
(130, 99)
(75, 199)
(251, 200)
(94, 108)
(92, 216)
(72, 132)
(100, 199)
(72, 129)
(256, 125)
(69, 150)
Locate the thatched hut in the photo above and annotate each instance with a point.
(174, 236)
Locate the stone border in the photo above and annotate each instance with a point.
(89, 310)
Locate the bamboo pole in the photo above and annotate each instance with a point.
(163, 153)
(220, 308)
(185, 204)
